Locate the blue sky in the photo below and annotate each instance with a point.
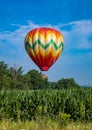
(72, 18)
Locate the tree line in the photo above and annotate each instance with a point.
(15, 78)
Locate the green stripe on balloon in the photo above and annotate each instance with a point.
(44, 46)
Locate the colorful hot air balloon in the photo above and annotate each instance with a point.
(44, 46)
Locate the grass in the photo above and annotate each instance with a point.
(50, 103)
(54, 110)
(41, 125)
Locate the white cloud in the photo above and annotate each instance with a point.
(77, 35)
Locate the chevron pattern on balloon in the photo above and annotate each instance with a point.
(44, 44)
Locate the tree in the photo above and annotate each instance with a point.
(54, 85)
(16, 75)
(3, 74)
(67, 83)
(36, 81)
(16, 72)
(13, 78)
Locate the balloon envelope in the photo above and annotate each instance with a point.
(44, 46)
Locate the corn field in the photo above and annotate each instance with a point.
(28, 105)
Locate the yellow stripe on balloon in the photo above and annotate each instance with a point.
(36, 49)
(35, 37)
(30, 52)
(29, 39)
(41, 38)
(47, 51)
(50, 36)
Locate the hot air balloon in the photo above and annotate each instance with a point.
(44, 46)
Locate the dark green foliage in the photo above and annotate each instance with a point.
(13, 78)
(27, 105)
(36, 81)
(3, 74)
(67, 83)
